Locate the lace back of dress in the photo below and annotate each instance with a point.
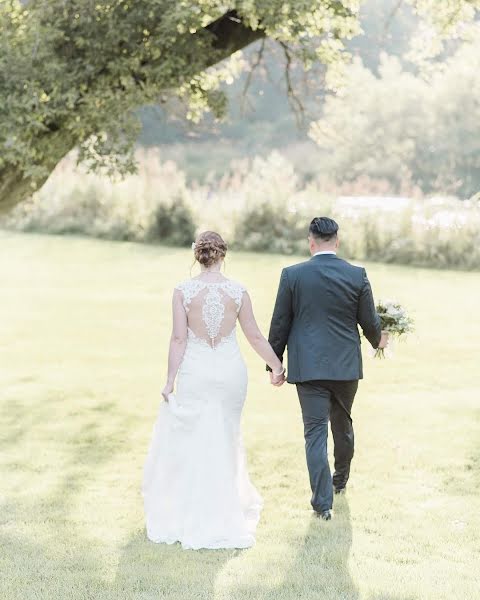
(212, 308)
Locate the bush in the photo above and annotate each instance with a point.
(172, 224)
(258, 207)
(435, 232)
(264, 229)
(73, 201)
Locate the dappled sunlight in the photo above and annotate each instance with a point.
(76, 421)
(127, 129)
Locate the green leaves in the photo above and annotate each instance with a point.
(74, 73)
(406, 130)
(83, 67)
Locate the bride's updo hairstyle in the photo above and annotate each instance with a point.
(209, 248)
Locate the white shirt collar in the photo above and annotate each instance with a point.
(325, 252)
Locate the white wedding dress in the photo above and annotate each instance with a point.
(196, 487)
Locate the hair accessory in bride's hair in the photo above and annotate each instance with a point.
(194, 245)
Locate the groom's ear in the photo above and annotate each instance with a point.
(310, 243)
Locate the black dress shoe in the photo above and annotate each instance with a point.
(326, 515)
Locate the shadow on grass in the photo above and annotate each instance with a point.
(315, 569)
(47, 554)
(150, 571)
(16, 423)
(322, 561)
(382, 596)
(319, 570)
(48, 547)
(44, 554)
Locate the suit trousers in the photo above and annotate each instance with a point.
(321, 401)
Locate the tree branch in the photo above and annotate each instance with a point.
(248, 80)
(295, 102)
(229, 34)
(388, 22)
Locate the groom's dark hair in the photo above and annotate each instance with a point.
(323, 228)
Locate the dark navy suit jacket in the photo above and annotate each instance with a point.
(319, 305)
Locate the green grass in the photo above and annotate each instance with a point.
(83, 339)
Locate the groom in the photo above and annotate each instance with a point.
(319, 304)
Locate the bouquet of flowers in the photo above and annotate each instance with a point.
(395, 320)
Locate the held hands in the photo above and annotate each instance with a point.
(277, 379)
(384, 340)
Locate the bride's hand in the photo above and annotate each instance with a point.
(277, 379)
(167, 390)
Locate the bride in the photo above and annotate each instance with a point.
(196, 487)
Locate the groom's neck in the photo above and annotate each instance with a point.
(323, 248)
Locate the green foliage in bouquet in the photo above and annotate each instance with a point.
(395, 320)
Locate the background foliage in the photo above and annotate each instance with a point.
(398, 127)
(401, 119)
(259, 206)
(398, 116)
(76, 74)
(72, 74)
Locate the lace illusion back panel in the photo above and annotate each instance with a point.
(196, 486)
(212, 308)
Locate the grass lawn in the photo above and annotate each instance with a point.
(83, 339)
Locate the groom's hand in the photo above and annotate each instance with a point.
(384, 339)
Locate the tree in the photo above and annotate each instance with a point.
(420, 124)
(72, 73)
(406, 129)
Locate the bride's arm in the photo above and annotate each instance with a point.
(255, 337)
(178, 342)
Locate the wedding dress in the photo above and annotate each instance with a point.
(196, 487)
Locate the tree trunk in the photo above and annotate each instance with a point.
(15, 186)
(230, 35)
